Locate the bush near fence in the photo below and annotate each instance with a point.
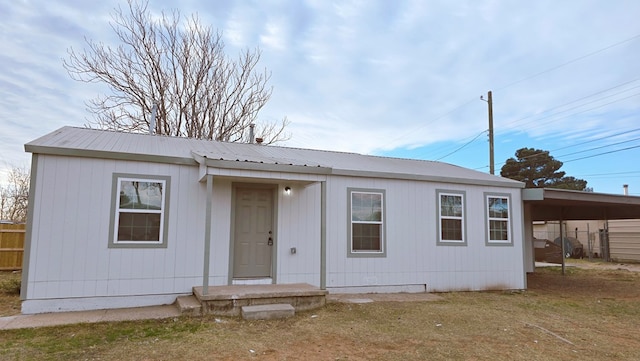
(11, 246)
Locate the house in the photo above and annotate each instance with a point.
(126, 220)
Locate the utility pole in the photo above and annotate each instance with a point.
(491, 160)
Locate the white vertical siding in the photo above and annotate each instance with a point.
(299, 227)
(413, 258)
(221, 232)
(70, 255)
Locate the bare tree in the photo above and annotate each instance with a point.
(14, 196)
(199, 91)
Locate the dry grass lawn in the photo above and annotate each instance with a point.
(585, 315)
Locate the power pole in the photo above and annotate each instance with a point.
(491, 160)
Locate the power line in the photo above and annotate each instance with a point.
(607, 174)
(589, 141)
(580, 112)
(570, 62)
(616, 177)
(597, 139)
(599, 154)
(469, 142)
(600, 147)
(433, 120)
(585, 157)
(578, 106)
(535, 75)
(583, 111)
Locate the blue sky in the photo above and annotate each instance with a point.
(394, 78)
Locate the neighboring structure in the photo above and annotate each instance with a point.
(624, 240)
(616, 240)
(586, 232)
(124, 220)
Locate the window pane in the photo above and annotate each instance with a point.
(451, 205)
(498, 230)
(498, 208)
(140, 195)
(366, 237)
(366, 207)
(139, 227)
(451, 229)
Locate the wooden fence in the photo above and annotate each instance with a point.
(11, 246)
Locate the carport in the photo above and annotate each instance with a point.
(547, 204)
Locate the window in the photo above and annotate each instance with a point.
(366, 222)
(498, 219)
(451, 225)
(139, 211)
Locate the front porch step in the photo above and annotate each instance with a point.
(268, 312)
(189, 305)
(229, 300)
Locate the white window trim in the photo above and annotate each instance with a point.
(489, 241)
(383, 239)
(116, 211)
(463, 219)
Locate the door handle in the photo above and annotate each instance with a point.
(270, 242)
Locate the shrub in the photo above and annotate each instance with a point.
(11, 286)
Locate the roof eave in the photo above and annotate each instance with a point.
(421, 177)
(289, 168)
(540, 194)
(84, 153)
(259, 166)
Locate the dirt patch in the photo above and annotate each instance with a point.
(599, 265)
(586, 281)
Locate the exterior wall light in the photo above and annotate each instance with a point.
(287, 190)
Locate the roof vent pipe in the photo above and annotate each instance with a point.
(251, 132)
(625, 188)
(152, 123)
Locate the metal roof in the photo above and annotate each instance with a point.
(561, 204)
(85, 142)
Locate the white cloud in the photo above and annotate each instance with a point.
(274, 37)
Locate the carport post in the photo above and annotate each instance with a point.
(589, 241)
(562, 239)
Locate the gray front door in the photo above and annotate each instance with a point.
(253, 233)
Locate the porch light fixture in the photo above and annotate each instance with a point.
(287, 190)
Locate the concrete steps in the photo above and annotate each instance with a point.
(230, 300)
(189, 305)
(268, 312)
